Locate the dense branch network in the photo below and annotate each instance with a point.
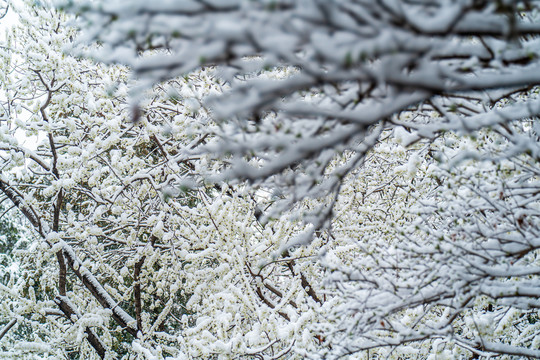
(275, 179)
(348, 67)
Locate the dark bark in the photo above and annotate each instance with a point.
(137, 292)
(67, 308)
(6, 328)
(87, 278)
(99, 293)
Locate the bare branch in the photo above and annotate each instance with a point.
(7, 327)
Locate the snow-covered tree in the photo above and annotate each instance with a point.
(351, 71)
(349, 68)
(460, 278)
(127, 258)
(274, 179)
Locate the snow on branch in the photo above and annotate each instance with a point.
(304, 82)
(87, 278)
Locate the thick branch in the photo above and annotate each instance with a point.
(62, 272)
(97, 290)
(503, 349)
(28, 153)
(56, 227)
(18, 201)
(137, 291)
(87, 278)
(69, 310)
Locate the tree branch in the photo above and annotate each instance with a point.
(69, 310)
(137, 291)
(305, 283)
(18, 201)
(100, 294)
(87, 278)
(6, 328)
